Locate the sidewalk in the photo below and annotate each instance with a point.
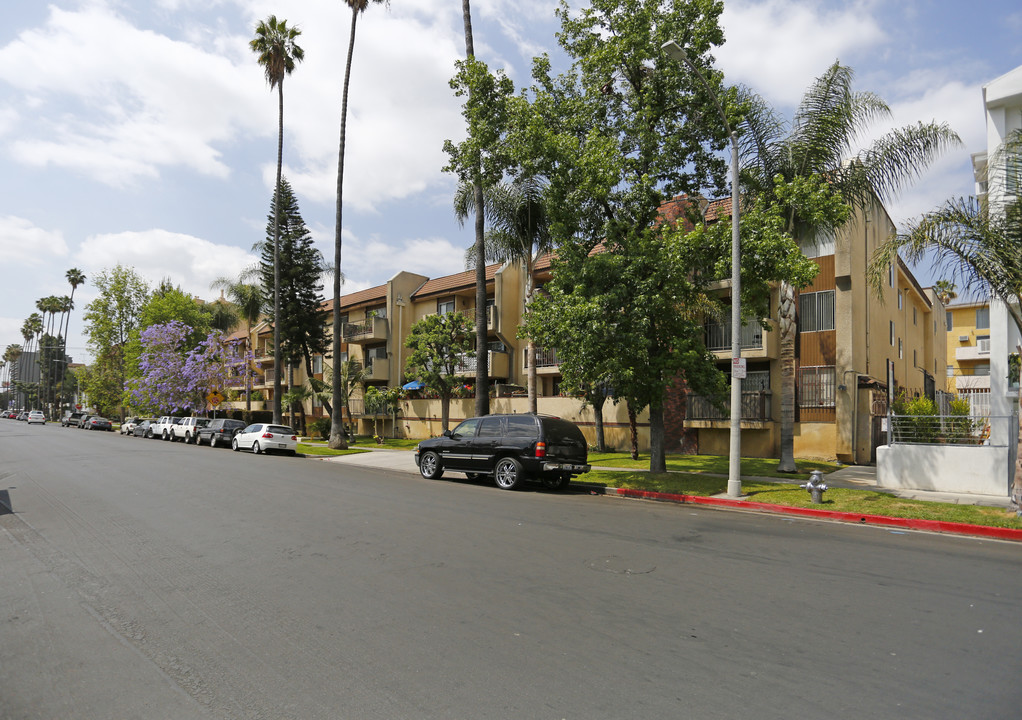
(852, 476)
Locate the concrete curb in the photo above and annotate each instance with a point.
(856, 518)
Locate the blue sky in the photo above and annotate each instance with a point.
(143, 133)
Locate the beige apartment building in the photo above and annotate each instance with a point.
(850, 344)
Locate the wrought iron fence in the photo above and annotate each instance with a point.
(755, 406)
(718, 336)
(941, 429)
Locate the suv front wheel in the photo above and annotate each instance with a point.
(429, 466)
(508, 473)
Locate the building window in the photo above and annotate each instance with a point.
(913, 316)
(816, 311)
(379, 311)
(950, 370)
(982, 318)
(445, 307)
(901, 301)
(890, 274)
(950, 323)
(901, 350)
(816, 386)
(915, 360)
(317, 364)
(892, 333)
(982, 369)
(756, 380)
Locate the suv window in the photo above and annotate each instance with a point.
(467, 429)
(560, 431)
(490, 427)
(524, 426)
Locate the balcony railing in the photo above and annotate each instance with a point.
(755, 406)
(372, 329)
(718, 336)
(497, 364)
(546, 358)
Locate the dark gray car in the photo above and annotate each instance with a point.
(219, 432)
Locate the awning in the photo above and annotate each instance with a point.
(413, 385)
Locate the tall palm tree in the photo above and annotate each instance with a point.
(519, 232)
(977, 245)
(276, 45)
(820, 143)
(482, 365)
(75, 278)
(337, 440)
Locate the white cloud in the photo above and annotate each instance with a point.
(22, 243)
(119, 110)
(779, 47)
(191, 262)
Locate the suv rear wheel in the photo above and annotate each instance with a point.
(508, 473)
(212, 440)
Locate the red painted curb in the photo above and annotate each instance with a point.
(907, 523)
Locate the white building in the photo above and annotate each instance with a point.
(1002, 101)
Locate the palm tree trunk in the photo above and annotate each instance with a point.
(633, 431)
(277, 356)
(531, 346)
(788, 330)
(337, 440)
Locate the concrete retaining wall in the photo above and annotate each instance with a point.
(979, 470)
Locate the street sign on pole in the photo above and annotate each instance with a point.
(214, 398)
(738, 368)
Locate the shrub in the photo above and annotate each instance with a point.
(320, 427)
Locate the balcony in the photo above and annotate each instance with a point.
(547, 362)
(702, 413)
(377, 371)
(979, 351)
(497, 365)
(371, 330)
(718, 337)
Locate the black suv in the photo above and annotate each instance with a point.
(510, 448)
(219, 431)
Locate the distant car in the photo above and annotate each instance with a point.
(36, 416)
(72, 419)
(187, 429)
(95, 422)
(219, 432)
(23, 415)
(161, 428)
(143, 428)
(508, 448)
(128, 426)
(265, 438)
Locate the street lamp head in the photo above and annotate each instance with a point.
(675, 51)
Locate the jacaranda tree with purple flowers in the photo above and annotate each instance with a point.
(173, 377)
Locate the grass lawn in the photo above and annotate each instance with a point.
(388, 443)
(766, 467)
(866, 502)
(320, 448)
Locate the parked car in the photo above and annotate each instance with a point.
(128, 425)
(36, 416)
(143, 428)
(264, 437)
(219, 431)
(508, 448)
(72, 419)
(187, 429)
(95, 422)
(161, 429)
(23, 415)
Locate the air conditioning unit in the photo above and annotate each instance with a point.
(963, 338)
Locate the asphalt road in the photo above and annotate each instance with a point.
(143, 579)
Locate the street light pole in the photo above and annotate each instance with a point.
(734, 475)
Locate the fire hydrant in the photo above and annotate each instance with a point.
(815, 486)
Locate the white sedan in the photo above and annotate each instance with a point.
(36, 416)
(263, 437)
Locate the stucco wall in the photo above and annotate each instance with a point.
(816, 440)
(944, 468)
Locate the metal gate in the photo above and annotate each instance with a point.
(878, 420)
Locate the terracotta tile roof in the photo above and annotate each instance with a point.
(363, 297)
(451, 283)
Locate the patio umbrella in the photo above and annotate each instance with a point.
(413, 385)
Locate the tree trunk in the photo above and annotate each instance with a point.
(788, 330)
(531, 346)
(657, 453)
(277, 357)
(633, 431)
(1016, 483)
(445, 411)
(337, 440)
(601, 443)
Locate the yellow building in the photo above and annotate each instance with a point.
(968, 353)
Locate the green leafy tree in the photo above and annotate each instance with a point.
(819, 143)
(111, 320)
(276, 44)
(337, 440)
(439, 344)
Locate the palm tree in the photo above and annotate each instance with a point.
(519, 233)
(276, 45)
(482, 366)
(819, 143)
(75, 278)
(945, 290)
(337, 440)
(975, 244)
